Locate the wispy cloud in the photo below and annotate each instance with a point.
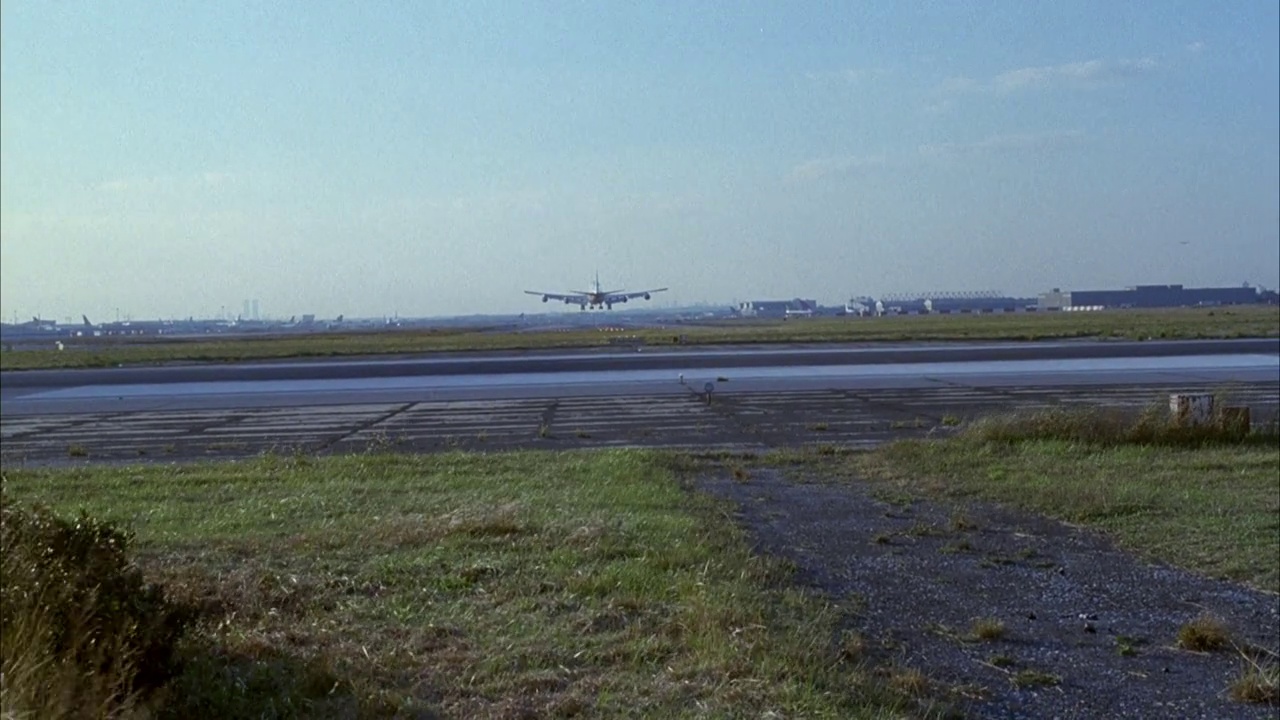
(838, 166)
(829, 166)
(1016, 142)
(1086, 75)
(1196, 47)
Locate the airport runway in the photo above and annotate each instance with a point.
(748, 398)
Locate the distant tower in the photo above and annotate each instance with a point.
(255, 310)
(245, 315)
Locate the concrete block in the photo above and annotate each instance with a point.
(1191, 410)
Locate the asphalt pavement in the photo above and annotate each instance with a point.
(744, 398)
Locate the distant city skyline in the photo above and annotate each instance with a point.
(251, 313)
(440, 158)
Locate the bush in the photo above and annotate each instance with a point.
(81, 632)
(1110, 426)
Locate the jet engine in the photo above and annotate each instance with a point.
(545, 298)
(646, 296)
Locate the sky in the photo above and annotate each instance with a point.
(172, 159)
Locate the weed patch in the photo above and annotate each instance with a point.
(909, 681)
(1209, 507)
(524, 584)
(987, 629)
(1258, 682)
(1114, 426)
(82, 630)
(1205, 633)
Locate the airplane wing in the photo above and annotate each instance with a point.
(557, 296)
(638, 293)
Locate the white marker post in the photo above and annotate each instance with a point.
(1191, 410)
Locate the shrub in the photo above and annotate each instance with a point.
(81, 632)
(1204, 634)
(1110, 426)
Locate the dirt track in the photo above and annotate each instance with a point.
(1090, 631)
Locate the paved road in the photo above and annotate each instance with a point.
(598, 360)
(760, 398)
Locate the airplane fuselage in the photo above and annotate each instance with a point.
(596, 297)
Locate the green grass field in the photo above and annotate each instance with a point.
(597, 582)
(511, 585)
(1118, 324)
(1213, 508)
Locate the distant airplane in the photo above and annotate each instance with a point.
(595, 297)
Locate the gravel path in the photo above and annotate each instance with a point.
(1089, 631)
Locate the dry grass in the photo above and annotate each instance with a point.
(853, 646)
(486, 586)
(40, 682)
(960, 522)
(988, 629)
(1258, 682)
(909, 681)
(1114, 426)
(1205, 633)
(79, 637)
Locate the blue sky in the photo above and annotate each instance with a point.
(169, 159)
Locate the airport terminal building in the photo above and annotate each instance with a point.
(946, 303)
(1149, 296)
(777, 308)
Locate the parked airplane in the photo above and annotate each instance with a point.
(595, 297)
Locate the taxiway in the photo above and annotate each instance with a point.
(695, 397)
